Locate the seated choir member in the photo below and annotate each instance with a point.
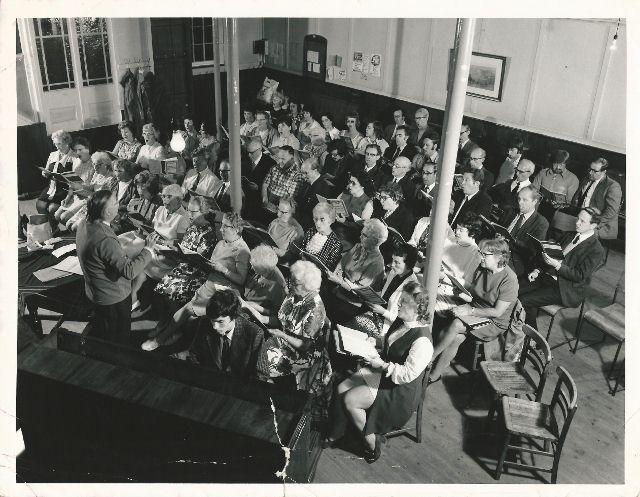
(556, 179)
(225, 340)
(564, 282)
(317, 147)
(374, 135)
(314, 185)
(470, 198)
(321, 240)
(327, 120)
(288, 355)
(402, 147)
(526, 221)
(382, 395)
(506, 194)
(508, 167)
(476, 163)
(605, 194)
(106, 268)
(428, 151)
(222, 195)
(278, 108)
(179, 285)
(230, 262)
(264, 129)
(402, 175)
(170, 223)
(284, 178)
(306, 125)
(129, 146)
(285, 136)
(358, 197)
(494, 286)
(62, 160)
(351, 134)
(393, 212)
(152, 148)
(376, 321)
(284, 229)
(200, 178)
(266, 287)
(249, 123)
(74, 208)
(149, 198)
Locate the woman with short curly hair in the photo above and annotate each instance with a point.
(128, 147)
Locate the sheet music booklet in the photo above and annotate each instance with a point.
(354, 343)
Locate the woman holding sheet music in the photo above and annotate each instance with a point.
(285, 136)
(321, 240)
(381, 396)
(494, 288)
(61, 160)
(358, 200)
(284, 229)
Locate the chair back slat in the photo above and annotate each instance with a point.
(537, 355)
(565, 397)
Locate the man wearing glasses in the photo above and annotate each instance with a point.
(422, 125)
(424, 195)
(470, 198)
(465, 145)
(476, 161)
(390, 130)
(506, 194)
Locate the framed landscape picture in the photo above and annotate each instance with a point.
(486, 76)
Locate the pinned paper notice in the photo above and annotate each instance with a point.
(313, 56)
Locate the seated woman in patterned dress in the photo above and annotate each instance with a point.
(288, 355)
(129, 146)
(381, 396)
(321, 240)
(376, 321)
(148, 199)
(230, 263)
(181, 283)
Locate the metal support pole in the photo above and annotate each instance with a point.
(446, 167)
(233, 111)
(217, 89)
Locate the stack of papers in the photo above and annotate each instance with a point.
(70, 265)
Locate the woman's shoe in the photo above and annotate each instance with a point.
(372, 456)
(150, 345)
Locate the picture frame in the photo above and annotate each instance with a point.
(486, 75)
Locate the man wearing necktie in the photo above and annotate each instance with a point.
(526, 221)
(225, 340)
(470, 198)
(200, 179)
(401, 148)
(506, 194)
(564, 282)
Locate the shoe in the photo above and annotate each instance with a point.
(135, 305)
(150, 345)
(327, 443)
(372, 456)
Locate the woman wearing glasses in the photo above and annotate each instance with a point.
(284, 229)
(494, 287)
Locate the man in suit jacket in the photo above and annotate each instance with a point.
(465, 145)
(390, 130)
(476, 161)
(564, 282)
(520, 225)
(400, 175)
(470, 198)
(604, 193)
(226, 341)
(373, 166)
(422, 126)
(260, 164)
(314, 185)
(222, 195)
(402, 147)
(506, 194)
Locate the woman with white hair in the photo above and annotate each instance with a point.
(62, 160)
(152, 148)
(170, 223)
(102, 179)
(288, 355)
(321, 240)
(381, 396)
(284, 229)
(265, 288)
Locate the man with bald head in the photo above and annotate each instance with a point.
(465, 145)
(526, 221)
(401, 175)
(476, 161)
(422, 125)
(314, 184)
(506, 194)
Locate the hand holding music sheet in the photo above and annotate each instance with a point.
(355, 343)
(497, 229)
(551, 248)
(312, 258)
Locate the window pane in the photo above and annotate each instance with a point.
(197, 53)
(54, 53)
(208, 34)
(93, 43)
(208, 21)
(70, 76)
(47, 27)
(197, 34)
(95, 57)
(90, 24)
(208, 51)
(36, 26)
(196, 22)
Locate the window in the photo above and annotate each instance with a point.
(54, 53)
(202, 40)
(93, 45)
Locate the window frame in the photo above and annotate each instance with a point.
(82, 54)
(209, 63)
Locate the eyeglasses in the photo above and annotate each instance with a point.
(476, 158)
(594, 170)
(194, 212)
(484, 254)
(465, 131)
(425, 173)
(225, 170)
(370, 154)
(283, 212)
(521, 171)
(421, 117)
(382, 198)
(227, 226)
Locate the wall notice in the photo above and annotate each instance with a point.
(358, 61)
(375, 65)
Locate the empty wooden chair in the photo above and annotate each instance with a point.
(527, 376)
(609, 320)
(536, 422)
(418, 414)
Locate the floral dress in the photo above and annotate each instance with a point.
(182, 282)
(303, 318)
(128, 150)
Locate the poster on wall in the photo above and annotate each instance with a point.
(342, 74)
(358, 62)
(374, 66)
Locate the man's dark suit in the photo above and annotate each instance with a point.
(409, 151)
(389, 132)
(245, 346)
(465, 152)
(574, 277)
(408, 188)
(506, 199)
(257, 172)
(378, 174)
(401, 220)
(480, 203)
(307, 200)
(606, 197)
(416, 135)
(522, 249)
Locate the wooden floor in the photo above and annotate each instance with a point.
(459, 447)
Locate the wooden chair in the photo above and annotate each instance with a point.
(515, 378)
(418, 414)
(609, 320)
(537, 422)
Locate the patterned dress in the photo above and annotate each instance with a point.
(302, 318)
(128, 150)
(182, 282)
